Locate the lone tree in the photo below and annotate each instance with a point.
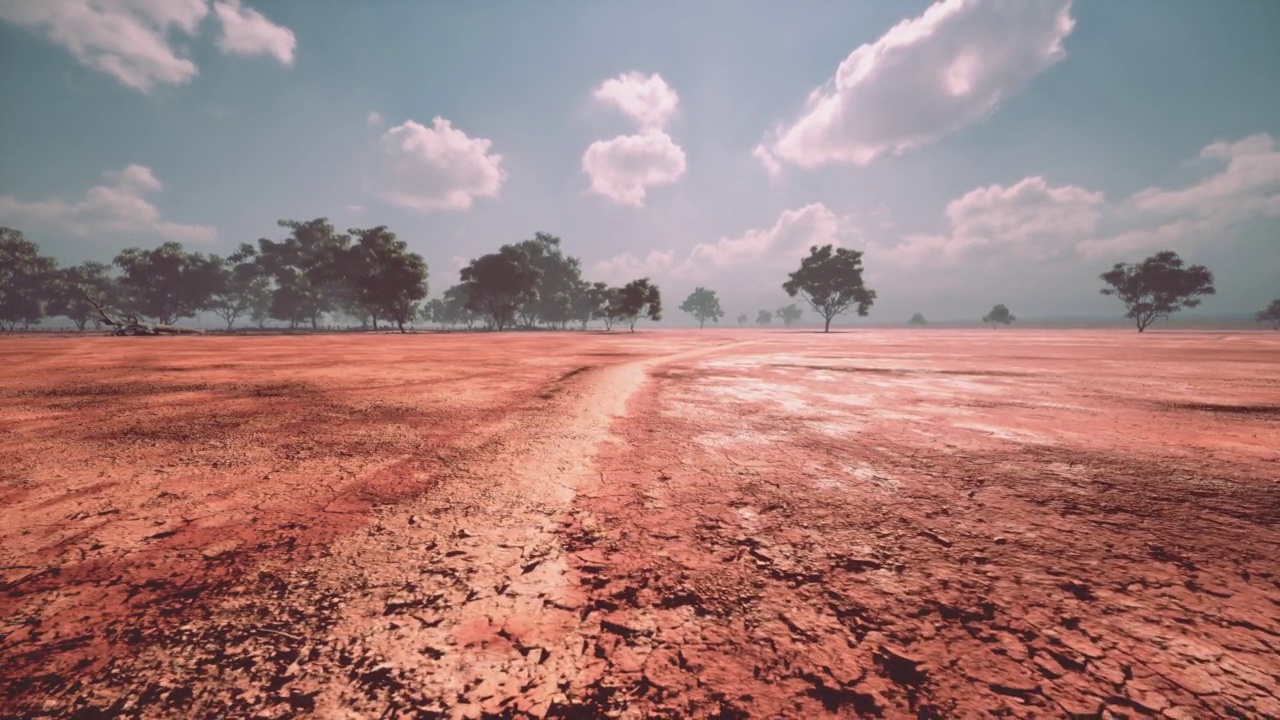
(999, 315)
(742, 319)
(790, 314)
(703, 305)
(636, 298)
(764, 317)
(830, 280)
(1157, 287)
(1271, 314)
(918, 320)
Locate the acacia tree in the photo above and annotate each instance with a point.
(764, 317)
(167, 282)
(790, 314)
(1157, 287)
(830, 280)
(499, 284)
(25, 277)
(384, 277)
(918, 320)
(742, 319)
(703, 305)
(73, 286)
(636, 298)
(999, 315)
(1271, 314)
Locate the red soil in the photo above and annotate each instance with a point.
(705, 524)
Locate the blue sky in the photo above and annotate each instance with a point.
(979, 152)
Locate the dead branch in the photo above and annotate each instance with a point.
(129, 324)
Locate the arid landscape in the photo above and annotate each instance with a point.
(759, 523)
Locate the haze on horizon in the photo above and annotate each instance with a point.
(979, 152)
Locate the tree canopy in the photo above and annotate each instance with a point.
(742, 319)
(703, 305)
(500, 284)
(830, 280)
(764, 317)
(1157, 287)
(999, 315)
(790, 314)
(918, 320)
(636, 299)
(167, 283)
(1271, 314)
(24, 276)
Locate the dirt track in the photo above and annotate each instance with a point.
(714, 524)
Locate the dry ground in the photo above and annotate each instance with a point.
(667, 524)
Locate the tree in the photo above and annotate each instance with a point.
(999, 315)
(559, 279)
(1157, 287)
(830, 280)
(592, 302)
(72, 287)
(764, 318)
(239, 290)
(1271, 314)
(742, 319)
(703, 305)
(25, 278)
(790, 314)
(636, 298)
(384, 276)
(307, 270)
(918, 320)
(453, 308)
(167, 283)
(499, 284)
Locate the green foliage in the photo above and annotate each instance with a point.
(71, 284)
(790, 314)
(167, 282)
(1157, 287)
(500, 284)
(918, 320)
(999, 315)
(703, 305)
(306, 269)
(636, 298)
(384, 277)
(559, 283)
(25, 279)
(830, 280)
(764, 317)
(239, 291)
(1271, 314)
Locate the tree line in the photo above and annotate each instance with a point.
(370, 275)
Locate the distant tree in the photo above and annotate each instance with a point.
(167, 282)
(307, 270)
(240, 290)
(703, 305)
(917, 319)
(830, 280)
(386, 278)
(592, 302)
(1271, 314)
(764, 318)
(25, 280)
(742, 319)
(499, 284)
(790, 314)
(71, 285)
(454, 309)
(637, 298)
(999, 315)
(560, 277)
(1157, 287)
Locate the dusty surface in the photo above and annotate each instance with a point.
(715, 524)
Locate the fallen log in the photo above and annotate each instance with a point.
(130, 325)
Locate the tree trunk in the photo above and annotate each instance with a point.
(701, 323)
(827, 327)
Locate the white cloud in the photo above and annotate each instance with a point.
(649, 101)
(1245, 189)
(246, 31)
(627, 267)
(623, 168)
(127, 39)
(115, 208)
(923, 79)
(437, 167)
(374, 119)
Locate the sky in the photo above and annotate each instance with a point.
(977, 151)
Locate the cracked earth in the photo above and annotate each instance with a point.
(667, 524)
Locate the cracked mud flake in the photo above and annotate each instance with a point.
(665, 524)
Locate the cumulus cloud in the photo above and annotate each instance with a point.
(923, 79)
(133, 40)
(436, 168)
(246, 31)
(127, 39)
(649, 101)
(116, 207)
(1246, 188)
(627, 267)
(622, 168)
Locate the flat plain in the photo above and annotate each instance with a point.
(720, 523)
